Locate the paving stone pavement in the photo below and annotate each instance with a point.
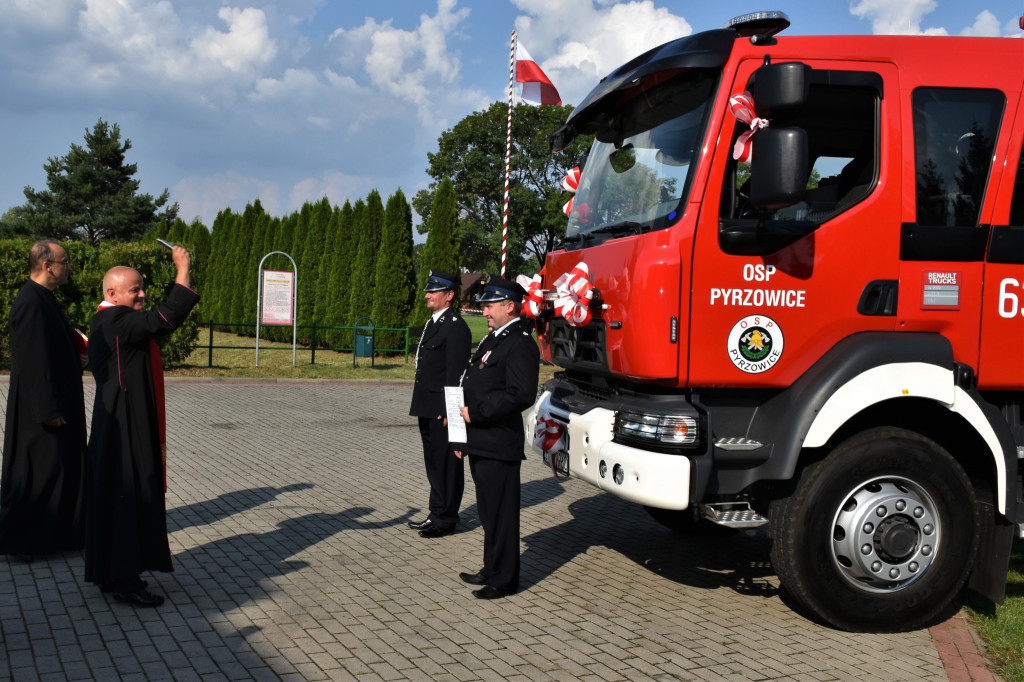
(287, 507)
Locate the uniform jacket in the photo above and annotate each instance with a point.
(501, 382)
(441, 358)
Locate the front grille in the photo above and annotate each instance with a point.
(579, 347)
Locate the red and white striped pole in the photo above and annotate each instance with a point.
(508, 153)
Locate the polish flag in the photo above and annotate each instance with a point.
(537, 87)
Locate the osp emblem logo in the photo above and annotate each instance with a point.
(755, 344)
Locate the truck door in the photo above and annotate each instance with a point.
(1000, 367)
(942, 250)
(775, 288)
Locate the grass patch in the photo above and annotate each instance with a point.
(239, 360)
(1002, 626)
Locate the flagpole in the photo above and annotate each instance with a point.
(508, 153)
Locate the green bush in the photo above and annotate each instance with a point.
(83, 292)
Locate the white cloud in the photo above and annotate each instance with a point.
(896, 18)
(578, 43)
(985, 24)
(244, 48)
(415, 66)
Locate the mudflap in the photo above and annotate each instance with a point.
(992, 562)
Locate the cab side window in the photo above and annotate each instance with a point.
(841, 123)
(955, 130)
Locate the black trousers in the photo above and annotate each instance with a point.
(497, 503)
(446, 473)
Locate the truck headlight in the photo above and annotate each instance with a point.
(657, 429)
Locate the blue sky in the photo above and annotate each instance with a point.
(291, 101)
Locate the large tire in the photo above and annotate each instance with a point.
(879, 535)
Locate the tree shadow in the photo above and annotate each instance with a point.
(223, 506)
(737, 560)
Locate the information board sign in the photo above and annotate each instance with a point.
(278, 288)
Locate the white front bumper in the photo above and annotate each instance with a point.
(650, 478)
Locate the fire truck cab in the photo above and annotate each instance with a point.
(807, 262)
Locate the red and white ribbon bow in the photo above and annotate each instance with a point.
(742, 107)
(570, 183)
(574, 291)
(533, 303)
(549, 435)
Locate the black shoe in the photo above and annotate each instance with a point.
(474, 578)
(491, 592)
(433, 531)
(140, 597)
(421, 525)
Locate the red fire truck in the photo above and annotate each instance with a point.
(797, 271)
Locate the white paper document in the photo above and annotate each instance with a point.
(453, 402)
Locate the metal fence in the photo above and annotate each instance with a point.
(313, 345)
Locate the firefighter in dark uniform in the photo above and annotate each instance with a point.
(500, 382)
(440, 359)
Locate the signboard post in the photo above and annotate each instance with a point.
(277, 300)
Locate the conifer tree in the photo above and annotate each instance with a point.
(250, 290)
(394, 279)
(340, 273)
(442, 250)
(197, 240)
(221, 242)
(243, 272)
(309, 265)
(176, 234)
(364, 272)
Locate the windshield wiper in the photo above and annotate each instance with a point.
(620, 228)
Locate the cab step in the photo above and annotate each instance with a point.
(732, 514)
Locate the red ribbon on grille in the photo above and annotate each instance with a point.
(574, 291)
(548, 434)
(742, 107)
(533, 303)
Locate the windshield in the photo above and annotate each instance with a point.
(637, 183)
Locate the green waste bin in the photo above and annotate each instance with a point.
(364, 330)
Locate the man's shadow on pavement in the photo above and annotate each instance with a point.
(210, 511)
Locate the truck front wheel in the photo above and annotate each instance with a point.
(879, 535)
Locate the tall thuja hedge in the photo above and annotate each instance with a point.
(342, 248)
(364, 271)
(442, 250)
(83, 292)
(244, 279)
(250, 291)
(309, 265)
(394, 279)
(217, 297)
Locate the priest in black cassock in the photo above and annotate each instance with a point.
(126, 524)
(44, 437)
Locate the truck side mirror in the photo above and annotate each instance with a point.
(778, 167)
(780, 89)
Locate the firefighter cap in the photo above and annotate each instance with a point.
(439, 281)
(500, 289)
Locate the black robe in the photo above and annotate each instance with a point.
(126, 524)
(41, 484)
